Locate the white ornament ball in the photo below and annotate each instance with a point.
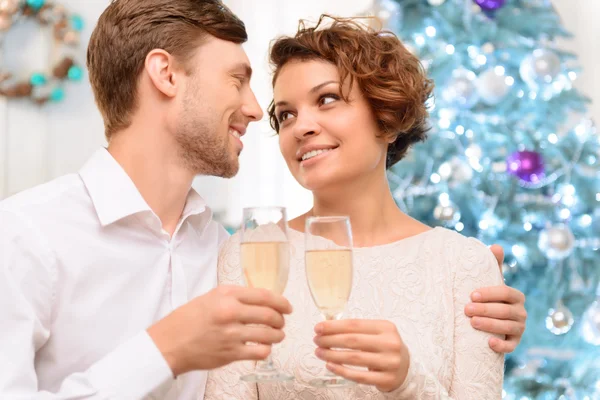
(461, 90)
(540, 68)
(492, 86)
(556, 242)
(559, 320)
(436, 3)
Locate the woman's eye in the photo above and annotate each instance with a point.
(283, 116)
(328, 98)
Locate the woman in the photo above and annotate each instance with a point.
(348, 103)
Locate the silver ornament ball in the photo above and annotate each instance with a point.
(559, 320)
(540, 68)
(492, 86)
(461, 90)
(556, 242)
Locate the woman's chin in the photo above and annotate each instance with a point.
(318, 182)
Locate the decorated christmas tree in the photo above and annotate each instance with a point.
(512, 159)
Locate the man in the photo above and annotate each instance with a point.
(108, 275)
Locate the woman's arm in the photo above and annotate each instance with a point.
(478, 370)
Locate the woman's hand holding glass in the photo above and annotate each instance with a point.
(371, 344)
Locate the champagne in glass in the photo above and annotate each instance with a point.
(265, 265)
(329, 269)
(265, 259)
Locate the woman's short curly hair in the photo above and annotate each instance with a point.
(391, 78)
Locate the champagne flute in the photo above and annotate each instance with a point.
(328, 246)
(265, 259)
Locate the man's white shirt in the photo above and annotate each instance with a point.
(85, 268)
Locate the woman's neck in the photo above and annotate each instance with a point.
(374, 215)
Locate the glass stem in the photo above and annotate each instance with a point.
(265, 365)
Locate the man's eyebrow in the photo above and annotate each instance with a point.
(244, 68)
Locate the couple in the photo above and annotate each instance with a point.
(108, 276)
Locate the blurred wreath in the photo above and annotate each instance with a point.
(39, 86)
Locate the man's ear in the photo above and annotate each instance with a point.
(160, 67)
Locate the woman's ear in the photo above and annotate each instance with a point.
(391, 138)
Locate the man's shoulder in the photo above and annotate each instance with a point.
(61, 192)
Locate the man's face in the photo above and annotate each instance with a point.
(215, 109)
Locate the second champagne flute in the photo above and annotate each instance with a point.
(265, 259)
(328, 258)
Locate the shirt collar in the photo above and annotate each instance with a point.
(114, 194)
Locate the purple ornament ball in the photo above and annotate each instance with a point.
(490, 5)
(526, 165)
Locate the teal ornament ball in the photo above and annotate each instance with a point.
(77, 23)
(58, 94)
(36, 4)
(38, 79)
(75, 73)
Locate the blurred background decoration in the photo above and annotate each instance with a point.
(40, 143)
(64, 28)
(513, 158)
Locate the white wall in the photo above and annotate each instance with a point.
(581, 19)
(40, 143)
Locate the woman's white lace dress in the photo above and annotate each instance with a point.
(422, 284)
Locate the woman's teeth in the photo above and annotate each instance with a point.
(314, 153)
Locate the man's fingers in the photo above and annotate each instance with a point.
(504, 346)
(253, 352)
(260, 315)
(499, 327)
(498, 252)
(261, 334)
(265, 298)
(497, 310)
(498, 294)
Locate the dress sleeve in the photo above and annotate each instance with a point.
(478, 371)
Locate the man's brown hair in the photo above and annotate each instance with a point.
(129, 29)
(392, 80)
